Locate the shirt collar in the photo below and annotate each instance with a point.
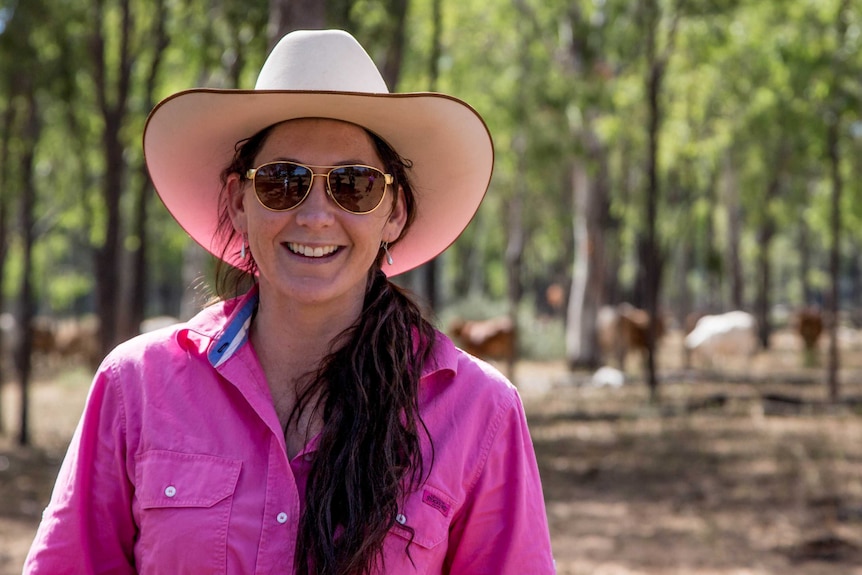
(236, 329)
(234, 334)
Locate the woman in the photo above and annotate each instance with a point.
(316, 423)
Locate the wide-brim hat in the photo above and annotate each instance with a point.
(190, 138)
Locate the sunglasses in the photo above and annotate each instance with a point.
(282, 186)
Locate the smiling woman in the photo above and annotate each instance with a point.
(304, 244)
(316, 422)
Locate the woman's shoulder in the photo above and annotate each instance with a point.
(449, 356)
(170, 336)
(457, 372)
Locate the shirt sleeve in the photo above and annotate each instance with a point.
(502, 529)
(88, 526)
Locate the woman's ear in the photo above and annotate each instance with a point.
(397, 218)
(236, 202)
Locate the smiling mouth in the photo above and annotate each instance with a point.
(311, 252)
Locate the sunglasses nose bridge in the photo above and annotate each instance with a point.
(326, 191)
(325, 176)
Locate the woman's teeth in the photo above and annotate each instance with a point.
(311, 252)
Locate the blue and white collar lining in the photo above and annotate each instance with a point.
(235, 333)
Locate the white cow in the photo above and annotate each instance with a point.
(718, 338)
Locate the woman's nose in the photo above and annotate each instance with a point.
(317, 209)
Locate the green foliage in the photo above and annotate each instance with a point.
(749, 88)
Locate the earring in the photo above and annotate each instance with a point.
(242, 252)
(385, 246)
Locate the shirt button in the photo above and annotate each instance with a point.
(401, 519)
(308, 457)
(281, 517)
(170, 491)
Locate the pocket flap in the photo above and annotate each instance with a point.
(428, 512)
(173, 479)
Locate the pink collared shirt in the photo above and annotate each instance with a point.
(179, 465)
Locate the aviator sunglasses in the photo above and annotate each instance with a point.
(282, 186)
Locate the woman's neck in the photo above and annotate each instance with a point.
(289, 335)
(291, 340)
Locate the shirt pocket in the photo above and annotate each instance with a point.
(428, 511)
(185, 502)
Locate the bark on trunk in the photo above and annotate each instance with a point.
(27, 305)
(289, 15)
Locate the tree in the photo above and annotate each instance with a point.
(429, 271)
(23, 119)
(836, 104)
(112, 76)
(587, 65)
(27, 304)
(139, 278)
(289, 15)
(651, 260)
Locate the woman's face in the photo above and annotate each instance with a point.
(316, 253)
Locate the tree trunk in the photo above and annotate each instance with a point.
(764, 282)
(833, 147)
(112, 105)
(649, 252)
(138, 274)
(734, 234)
(650, 255)
(428, 271)
(27, 305)
(590, 218)
(802, 246)
(107, 258)
(765, 234)
(5, 207)
(590, 203)
(391, 68)
(834, 153)
(289, 15)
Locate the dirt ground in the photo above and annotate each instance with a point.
(740, 469)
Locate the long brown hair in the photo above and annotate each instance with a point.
(366, 390)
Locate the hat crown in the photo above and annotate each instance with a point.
(320, 60)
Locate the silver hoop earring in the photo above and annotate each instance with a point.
(385, 246)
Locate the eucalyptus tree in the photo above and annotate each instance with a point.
(592, 58)
(802, 90)
(841, 97)
(767, 143)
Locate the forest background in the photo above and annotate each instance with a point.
(682, 155)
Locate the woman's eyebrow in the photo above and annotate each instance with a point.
(347, 162)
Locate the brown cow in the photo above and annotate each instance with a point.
(493, 338)
(622, 329)
(808, 322)
(77, 340)
(43, 341)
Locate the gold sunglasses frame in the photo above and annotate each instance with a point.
(387, 181)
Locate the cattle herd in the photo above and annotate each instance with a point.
(621, 332)
(55, 341)
(63, 341)
(709, 340)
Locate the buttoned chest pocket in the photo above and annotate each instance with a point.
(183, 508)
(428, 512)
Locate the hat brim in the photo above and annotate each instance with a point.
(190, 139)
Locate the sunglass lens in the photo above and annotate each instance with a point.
(282, 185)
(357, 189)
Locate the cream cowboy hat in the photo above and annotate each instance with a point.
(190, 138)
